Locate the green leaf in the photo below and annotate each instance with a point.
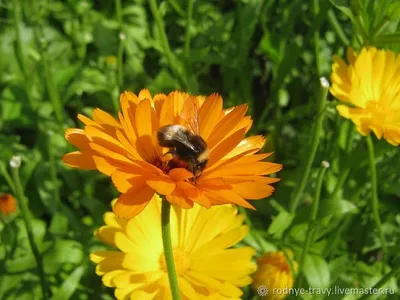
(340, 5)
(316, 271)
(59, 224)
(280, 223)
(70, 284)
(393, 11)
(62, 252)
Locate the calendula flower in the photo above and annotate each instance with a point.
(273, 276)
(207, 268)
(8, 205)
(128, 150)
(370, 87)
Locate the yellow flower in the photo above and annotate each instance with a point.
(370, 86)
(128, 150)
(207, 267)
(274, 274)
(8, 205)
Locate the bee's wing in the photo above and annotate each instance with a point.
(182, 138)
(190, 114)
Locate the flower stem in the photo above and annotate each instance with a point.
(164, 41)
(374, 197)
(168, 253)
(121, 45)
(311, 221)
(27, 220)
(393, 273)
(337, 27)
(316, 37)
(189, 15)
(53, 172)
(314, 145)
(19, 49)
(379, 28)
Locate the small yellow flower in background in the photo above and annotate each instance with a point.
(273, 273)
(111, 60)
(8, 204)
(370, 87)
(201, 238)
(128, 149)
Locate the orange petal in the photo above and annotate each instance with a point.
(98, 136)
(202, 199)
(226, 124)
(143, 121)
(223, 162)
(178, 198)
(125, 181)
(254, 142)
(226, 197)
(131, 97)
(105, 165)
(225, 147)
(80, 159)
(172, 108)
(102, 151)
(144, 94)
(180, 174)
(85, 120)
(258, 168)
(102, 117)
(209, 115)
(254, 158)
(161, 185)
(132, 203)
(77, 138)
(214, 183)
(252, 190)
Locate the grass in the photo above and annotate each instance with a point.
(61, 58)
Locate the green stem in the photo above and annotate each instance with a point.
(53, 171)
(120, 71)
(392, 274)
(337, 27)
(168, 253)
(360, 25)
(378, 28)
(374, 197)
(384, 39)
(164, 40)
(27, 220)
(52, 88)
(7, 177)
(311, 221)
(177, 8)
(316, 37)
(20, 53)
(189, 16)
(314, 145)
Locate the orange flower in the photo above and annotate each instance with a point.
(127, 149)
(7, 204)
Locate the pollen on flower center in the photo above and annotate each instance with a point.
(181, 259)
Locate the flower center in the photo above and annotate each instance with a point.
(181, 259)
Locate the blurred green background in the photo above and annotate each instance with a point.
(60, 58)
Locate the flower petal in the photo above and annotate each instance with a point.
(133, 202)
(80, 159)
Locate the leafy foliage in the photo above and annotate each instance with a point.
(60, 58)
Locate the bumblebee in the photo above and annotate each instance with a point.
(186, 145)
